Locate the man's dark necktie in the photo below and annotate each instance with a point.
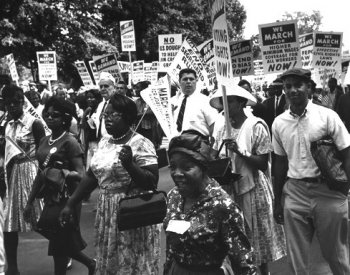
(101, 116)
(180, 117)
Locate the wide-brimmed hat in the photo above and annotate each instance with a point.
(231, 90)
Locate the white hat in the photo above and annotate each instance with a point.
(107, 76)
(231, 90)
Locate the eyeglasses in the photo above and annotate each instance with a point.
(52, 115)
(111, 115)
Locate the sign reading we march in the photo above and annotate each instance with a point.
(47, 65)
(127, 35)
(280, 46)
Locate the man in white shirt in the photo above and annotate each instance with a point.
(191, 109)
(107, 89)
(303, 199)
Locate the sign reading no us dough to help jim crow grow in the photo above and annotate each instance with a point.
(127, 35)
(169, 44)
(242, 58)
(47, 66)
(280, 46)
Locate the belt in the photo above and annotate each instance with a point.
(311, 180)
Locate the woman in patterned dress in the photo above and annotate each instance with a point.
(203, 225)
(24, 131)
(250, 142)
(126, 158)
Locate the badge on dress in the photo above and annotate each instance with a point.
(53, 150)
(178, 226)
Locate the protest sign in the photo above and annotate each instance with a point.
(108, 63)
(158, 99)
(94, 71)
(259, 71)
(137, 71)
(147, 68)
(169, 45)
(127, 35)
(206, 50)
(221, 41)
(327, 50)
(28, 108)
(47, 65)
(306, 42)
(242, 58)
(154, 76)
(84, 73)
(124, 67)
(188, 56)
(280, 46)
(12, 67)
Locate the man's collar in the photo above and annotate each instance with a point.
(308, 106)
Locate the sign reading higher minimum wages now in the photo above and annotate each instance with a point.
(280, 46)
(127, 35)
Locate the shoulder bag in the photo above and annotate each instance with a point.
(330, 163)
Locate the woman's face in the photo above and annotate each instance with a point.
(53, 119)
(15, 107)
(187, 175)
(91, 100)
(115, 124)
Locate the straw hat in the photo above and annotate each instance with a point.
(231, 90)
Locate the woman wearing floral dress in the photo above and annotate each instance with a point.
(250, 142)
(124, 159)
(203, 225)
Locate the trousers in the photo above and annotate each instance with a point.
(312, 208)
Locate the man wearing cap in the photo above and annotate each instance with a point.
(275, 104)
(191, 108)
(107, 89)
(308, 205)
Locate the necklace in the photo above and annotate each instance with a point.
(51, 141)
(119, 138)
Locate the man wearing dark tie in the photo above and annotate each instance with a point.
(274, 105)
(191, 109)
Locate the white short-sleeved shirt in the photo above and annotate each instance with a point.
(293, 134)
(199, 115)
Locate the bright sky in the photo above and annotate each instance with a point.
(335, 14)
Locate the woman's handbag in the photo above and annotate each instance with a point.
(221, 169)
(142, 210)
(330, 163)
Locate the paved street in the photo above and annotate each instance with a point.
(33, 259)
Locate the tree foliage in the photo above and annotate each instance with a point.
(80, 29)
(306, 22)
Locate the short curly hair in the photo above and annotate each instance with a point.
(126, 106)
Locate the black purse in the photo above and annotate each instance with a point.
(221, 169)
(141, 210)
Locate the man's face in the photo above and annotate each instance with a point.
(106, 89)
(296, 89)
(188, 83)
(121, 89)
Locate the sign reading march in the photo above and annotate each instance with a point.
(47, 65)
(84, 73)
(242, 58)
(169, 44)
(306, 42)
(327, 50)
(222, 54)
(127, 35)
(280, 46)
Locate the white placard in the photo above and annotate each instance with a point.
(169, 45)
(127, 35)
(137, 71)
(280, 46)
(12, 67)
(47, 66)
(84, 73)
